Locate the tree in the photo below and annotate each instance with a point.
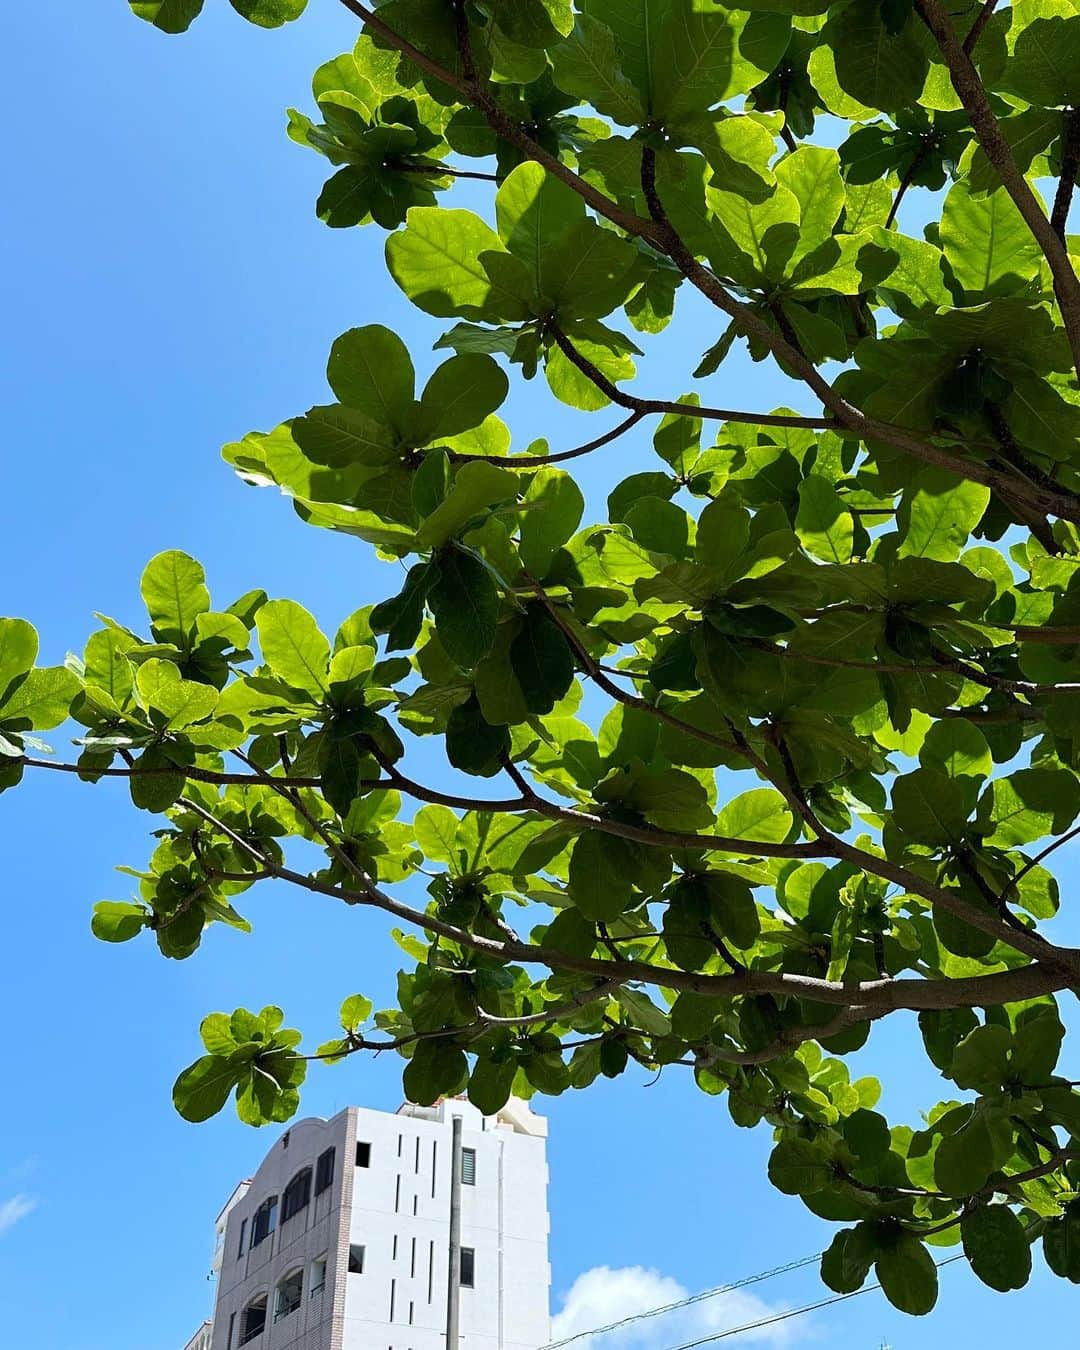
(792, 597)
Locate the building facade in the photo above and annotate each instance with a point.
(341, 1239)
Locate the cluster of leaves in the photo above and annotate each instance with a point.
(871, 612)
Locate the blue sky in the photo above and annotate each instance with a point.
(167, 288)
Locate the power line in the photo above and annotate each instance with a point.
(728, 1288)
(687, 1302)
(795, 1312)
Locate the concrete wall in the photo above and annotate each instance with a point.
(314, 1233)
(398, 1209)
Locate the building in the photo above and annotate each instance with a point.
(341, 1240)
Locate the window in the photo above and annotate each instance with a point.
(290, 1293)
(324, 1171)
(265, 1221)
(317, 1282)
(468, 1268)
(356, 1259)
(253, 1320)
(243, 1234)
(468, 1167)
(232, 1327)
(297, 1194)
(363, 1155)
(285, 1139)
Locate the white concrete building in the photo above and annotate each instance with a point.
(341, 1239)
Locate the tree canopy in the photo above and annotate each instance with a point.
(869, 609)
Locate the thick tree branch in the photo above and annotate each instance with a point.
(1070, 167)
(969, 89)
(981, 20)
(886, 995)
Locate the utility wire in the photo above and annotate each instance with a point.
(727, 1288)
(688, 1302)
(796, 1312)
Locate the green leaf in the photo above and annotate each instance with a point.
(938, 514)
(824, 526)
(18, 651)
(1061, 1244)
(439, 258)
(355, 1011)
(907, 1274)
(437, 1069)
(476, 486)
(587, 64)
(760, 815)
(958, 748)
(370, 369)
(553, 507)
(965, 1160)
(997, 1246)
(269, 13)
(599, 884)
(117, 921)
(158, 781)
(293, 646)
(473, 745)
(42, 700)
(812, 175)
(867, 1135)
(179, 702)
(877, 68)
(491, 1084)
(1044, 61)
(171, 16)
(173, 588)
(980, 1061)
(987, 243)
(534, 210)
(460, 394)
(1027, 805)
(799, 1167)
(342, 437)
(464, 601)
(542, 661)
(643, 1012)
(203, 1089)
(930, 807)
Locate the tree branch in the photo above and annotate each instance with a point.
(1070, 167)
(969, 89)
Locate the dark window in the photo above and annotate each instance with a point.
(264, 1221)
(290, 1293)
(468, 1268)
(232, 1325)
(297, 1194)
(468, 1167)
(254, 1320)
(324, 1171)
(363, 1155)
(356, 1259)
(285, 1139)
(243, 1234)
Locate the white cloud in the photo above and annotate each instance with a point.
(11, 1211)
(603, 1295)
